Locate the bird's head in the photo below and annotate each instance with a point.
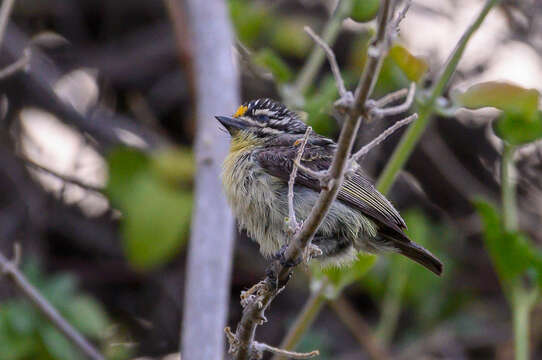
(263, 118)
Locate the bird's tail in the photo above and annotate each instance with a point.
(420, 255)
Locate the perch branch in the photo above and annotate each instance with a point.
(10, 270)
(254, 311)
(5, 12)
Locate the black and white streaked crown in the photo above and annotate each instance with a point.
(273, 114)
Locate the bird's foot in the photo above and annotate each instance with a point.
(311, 251)
(286, 263)
(253, 295)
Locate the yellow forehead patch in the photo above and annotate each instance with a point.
(241, 110)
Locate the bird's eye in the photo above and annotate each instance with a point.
(262, 118)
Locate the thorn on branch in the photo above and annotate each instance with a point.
(383, 136)
(260, 348)
(332, 60)
(293, 226)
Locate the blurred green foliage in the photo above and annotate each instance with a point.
(341, 277)
(514, 256)
(268, 59)
(520, 121)
(364, 10)
(155, 197)
(26, 335)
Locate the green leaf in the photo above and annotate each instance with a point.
(268, 59)
(412, 66)
(319, 105)
(364, 10)
(510, 98)
(156, 212)
(511, 252)
(59, 290)
(87, 315)
(341, 277)
(517, 129)
(520, 123)
(57, 346)
(21, 318)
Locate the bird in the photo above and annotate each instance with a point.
(265, 138)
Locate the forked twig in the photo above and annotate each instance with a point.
(292, 221)
(379, 111)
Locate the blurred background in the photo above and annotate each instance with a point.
(97, 173)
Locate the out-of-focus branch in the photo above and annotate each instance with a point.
(9, 269)
(5, 12)
(65, 178)
(253, 313)
(210, 249)
(19, 65)
(359, 328)
(38, 86)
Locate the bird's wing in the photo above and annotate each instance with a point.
(356, 191)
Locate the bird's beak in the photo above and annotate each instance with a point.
(231, 124)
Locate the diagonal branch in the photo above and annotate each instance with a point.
(10, 270)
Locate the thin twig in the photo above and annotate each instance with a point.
(316, 58)
(394, 24)
(254, 310)
(380, 111)
(391, 97)
(331, 59)
(65, 178)
(5, 12)
(261, 347)
(292, 221)
(10, 270)
(383, 136)
(19, 65)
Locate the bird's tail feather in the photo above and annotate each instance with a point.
(420, 255)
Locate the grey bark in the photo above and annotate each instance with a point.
(212, 235)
